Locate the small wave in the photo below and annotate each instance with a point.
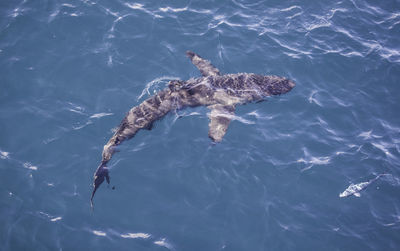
(154, 84)
(311, 98)
(294, 7)
(384, 147)
(240, 119)
(368, 135)
(49, 217)
(232, 117)
(257, 115)
(170, 9)
(139, 147)
(56, 219)
(310, 160)
(68, 5)
(164, 243)
(100, 115)
(138, 6)
(4, 155)
(136, 235)
(76, 108)
(28, 165)
(99, 233)
(78, 127)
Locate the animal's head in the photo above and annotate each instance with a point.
(274, 85)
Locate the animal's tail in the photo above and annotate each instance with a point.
(99, 176)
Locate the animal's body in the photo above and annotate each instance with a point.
(220, 93)
(355, 189)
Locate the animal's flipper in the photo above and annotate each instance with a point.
(204, 66)
(99, 176)
(220, 117)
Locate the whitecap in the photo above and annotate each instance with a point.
(30, 166)
(135, 6)
(4, 155)
(99, 115)
(316, 160)
(75, 111)
(99, 233)
(56, 219)
(168, 9)
(163, 243)
(68, 5)
(136, 235)
(76, 108)
(291, 8)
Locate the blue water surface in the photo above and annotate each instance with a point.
(71, 69)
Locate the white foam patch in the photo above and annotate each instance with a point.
(99, 233)
(135, 6)
(316, 160)
(75, 110)
(292, 8)
(68, 5)
(100, 115)
(163, 243)
(136, 235)
(169, 9)
(4, 155)
(28, 165)
(56, 219)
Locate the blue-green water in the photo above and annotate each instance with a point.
(70, 70)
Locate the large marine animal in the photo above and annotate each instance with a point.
(355, 189)
(221, 93)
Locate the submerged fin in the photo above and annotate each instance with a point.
(204, 66)
(357, 194)
(99, 176)
(150, 126)
(220, 117)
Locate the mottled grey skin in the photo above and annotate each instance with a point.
(220, 93)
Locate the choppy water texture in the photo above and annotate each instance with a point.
(70, 70)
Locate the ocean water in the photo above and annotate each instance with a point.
(314, 169)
